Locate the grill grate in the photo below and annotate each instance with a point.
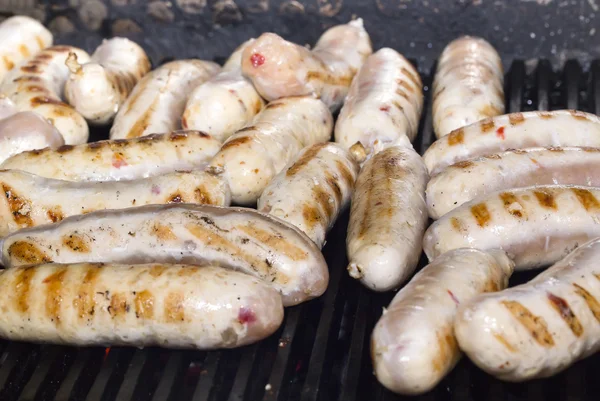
(321, 353)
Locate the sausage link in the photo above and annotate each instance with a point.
(468, 85)
(98, 89)
(384, 104)
(387, 219)
(158, 100)
(120, 159)
(279, 68)
(413, 344)
(536, 226)
(539, 328)
(241, 239)
(255, 154)
(21, 38)
(37, 85)
(171, 306)
(514, 131)
(312, 192)
(470, 179)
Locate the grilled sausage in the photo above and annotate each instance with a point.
(241, 239)
(413, 344)
(21, 38)
(387, 219)
(37, 85)
(225, 103)
(539, 328)
(26, 131)
(386, 90)
(7, 107)
(30, 200)
(172, 306)
(279, 68)
(514, 131)
(470, 179)
(120, 159)
(157, 102)
(98, 89)
(468, 85)
(536, 226)
(312, 192)
(255, 154)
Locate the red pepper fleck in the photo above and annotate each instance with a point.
(500, 133)
(379, 203)
(118, 161)
(246, 315)
(106, 352)
(384, 108)
(155, 189)
(257, 60)
(453, 297)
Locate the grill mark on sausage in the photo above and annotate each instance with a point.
(118, 305)
(463, 164)
(366, 212)
(491, 286)
(144, 304)
(76, 243)
(487, 125)
(561, 306)
(346, 174)
(157, 270)
(489, 111)
(40, 42)
(502, 340)
(481, 214)
(20, 207)
(163, 232)
(174, 308)
(323, 199)
(536, 325)
(306, 157)
(36, 88)
(24, 51)
(545, 199)
(545, 115)
(416, 81)
(332, 182)
(54, 297)
(85, 302)
(27, 253)
(203, 196)
(509, 200)
(516, 118)
(405, 85)
(143, 121)
(22, 287)
(28, 78)
(275, 241)
(447, 349)
(586, 198)
(274, 105)
(32, 67)
(43, 100)
(311, 215)
(237, 141)
(342, 80)
(175, 198)
(457, 224)
(55, 214)
(8, 63)
(589, 299)
(456, 137)
(578, 114)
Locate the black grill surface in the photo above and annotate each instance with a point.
(321, 352)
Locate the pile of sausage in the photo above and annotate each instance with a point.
(134, 240)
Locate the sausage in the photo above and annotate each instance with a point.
(158, 100)
(312, 192)
(539, 328)
(387, 89)
(536, 226)
(387, 219)
(470, 179)
(413, 345)
(255, 154)
(279, 68)
(37, 85)
(237, 238)
(21, 38)
(120, 159)
(26, 131)
(468, 85)
(30, 200)
(225, 103)
(514, 131)
(98, 89)
(7, 107)
(171, 306)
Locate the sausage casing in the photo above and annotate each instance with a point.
(255, 154)
(539, 328)
(37, 84)
(387, 219)
(413, 344)
(242, 239)
(172, 306)
(514, 131)
(312, 192)
(158, 100)
(387, 89)
(120, 159)
(536, 226)
(470, 179)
